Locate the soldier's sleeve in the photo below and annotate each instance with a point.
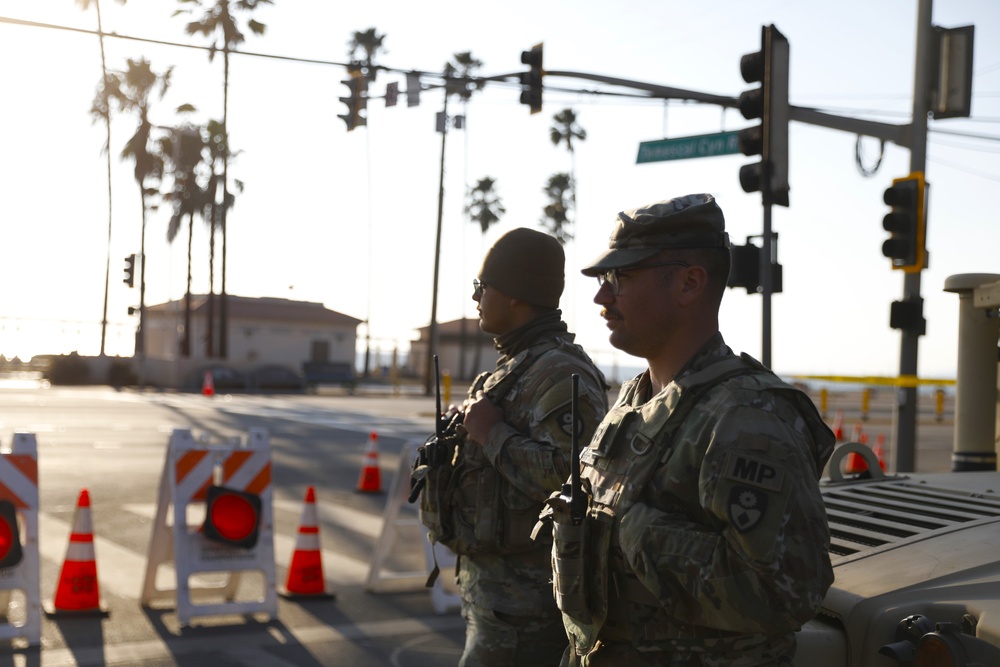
(757, 560)
(537, 462)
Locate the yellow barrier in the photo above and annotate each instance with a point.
(901, 381)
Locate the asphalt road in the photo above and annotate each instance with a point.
(113, 444)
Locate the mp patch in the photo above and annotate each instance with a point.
(750, 470)
(747, 507)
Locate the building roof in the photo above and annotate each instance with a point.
(262, 308)
(453, 329)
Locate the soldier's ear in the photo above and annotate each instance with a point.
(692, 283)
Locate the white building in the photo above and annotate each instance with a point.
(262, 331)
(464, 350)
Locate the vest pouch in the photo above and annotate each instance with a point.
(580, 580)
(473, 509)
(436, 496)
(516, 521)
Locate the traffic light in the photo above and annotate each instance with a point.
(129, 278)
(906, 223)
(232, 517)
(532, 95)
(745, 269)
(357, 102)
(769, 67)
(11, 552)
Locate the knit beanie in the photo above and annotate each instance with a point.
(527, 265)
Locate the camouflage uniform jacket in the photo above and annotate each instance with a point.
(528, 454)
(724, 550)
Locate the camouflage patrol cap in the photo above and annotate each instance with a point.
(691, 221)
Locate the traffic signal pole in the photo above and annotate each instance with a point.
(905, 410)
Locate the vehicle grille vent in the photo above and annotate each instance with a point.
(867, 516)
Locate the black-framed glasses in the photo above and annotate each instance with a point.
(477, 288)
(613, 276)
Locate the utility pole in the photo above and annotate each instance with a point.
(432, 336)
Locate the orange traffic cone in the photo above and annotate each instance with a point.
(370, 480)
(77, 591)
(879, 450)
(208, 385)
(838, 425)
(305, 574)
(855, 463)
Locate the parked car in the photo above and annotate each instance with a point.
(275, 377)
(224, 378)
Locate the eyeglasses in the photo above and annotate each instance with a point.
(477, 288)
(613, 277)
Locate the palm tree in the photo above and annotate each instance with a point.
(564, 130)
(184, 148)
(105, 114)
(370, 43)
(215, 212)
(457, 73)
(556, 219)
(131, 91)
(483, 205)
(218, 17)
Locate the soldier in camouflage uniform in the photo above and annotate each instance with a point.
(705, 541)
(516, 451)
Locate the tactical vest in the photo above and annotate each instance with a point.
(593, 585)
(469, 507)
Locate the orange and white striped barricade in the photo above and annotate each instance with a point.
(230, 485)
(19, 562)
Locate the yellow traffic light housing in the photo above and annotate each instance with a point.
(906, 223)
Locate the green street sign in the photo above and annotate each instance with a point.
(683, 148)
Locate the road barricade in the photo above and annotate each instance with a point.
(230, 485)
(19, 563)
(397, 515)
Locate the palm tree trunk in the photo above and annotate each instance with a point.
(140, 335)
(107, 122)
(186, 341)
(224, 310)
(210, 338)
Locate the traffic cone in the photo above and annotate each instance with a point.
(838, 425)
(855, 463)
(879, 450)
(78, 591)
(208, 385)
(370, 480)
(305, 574)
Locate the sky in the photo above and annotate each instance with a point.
(348, 219)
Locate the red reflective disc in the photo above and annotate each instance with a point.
(6, 539)
(233, 517)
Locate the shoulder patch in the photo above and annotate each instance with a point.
(565, 420)
(750, 470)
(747, 507)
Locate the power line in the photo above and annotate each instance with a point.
(958, 167)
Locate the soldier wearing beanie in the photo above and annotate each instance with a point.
(516, 451)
